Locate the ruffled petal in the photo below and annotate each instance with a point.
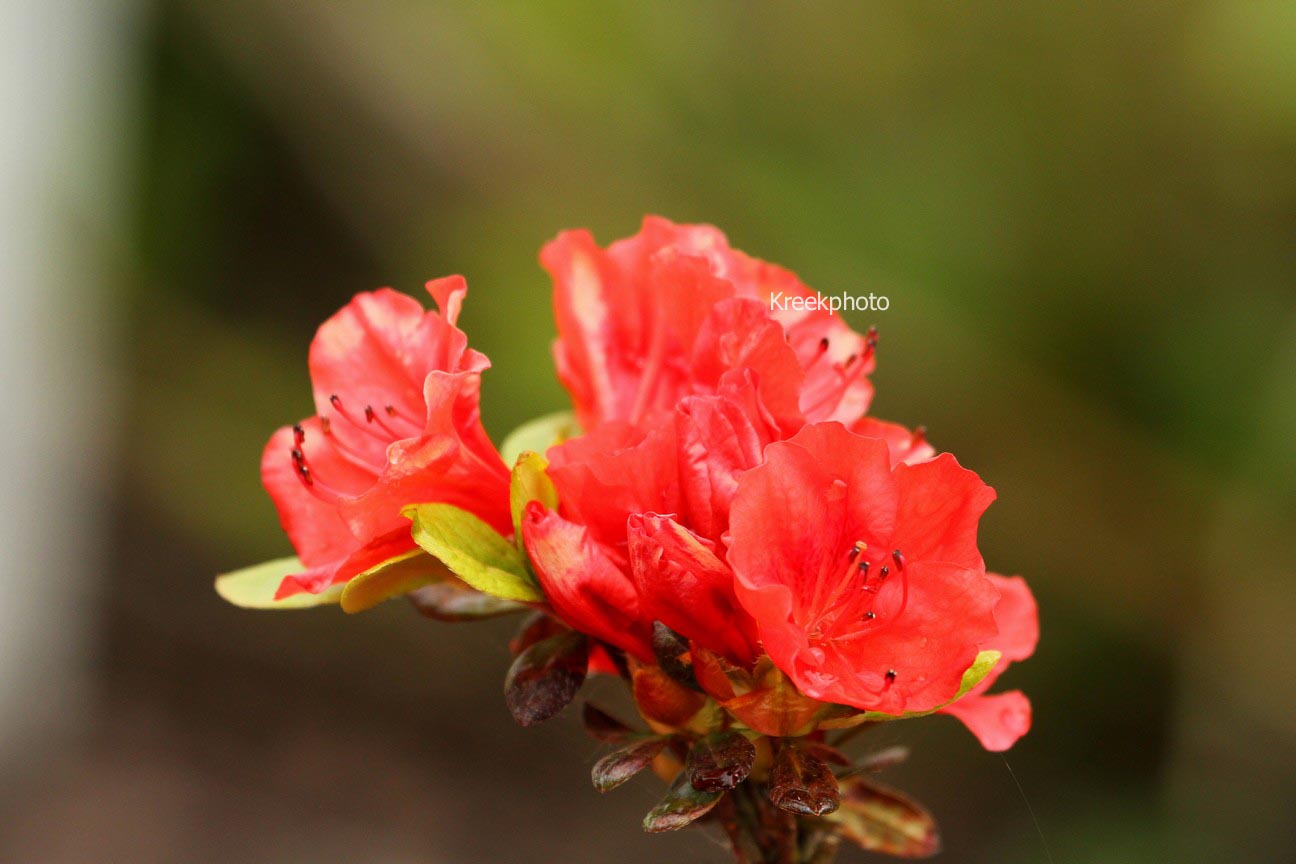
(684, 585)
(582, 583)
(906, 446)
(940, 505)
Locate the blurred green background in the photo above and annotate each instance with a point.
(1083, 214)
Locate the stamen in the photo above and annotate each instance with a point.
(890, 675)
(844, 580)
(886, 571)
(348, 452)
(898, 558)
(371, 416)
(299, 435)
(366, 427)
(322, 491)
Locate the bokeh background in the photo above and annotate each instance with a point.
(1084, 216)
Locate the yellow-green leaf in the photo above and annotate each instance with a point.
(539, 435)
(529, 483)
(255, 587)
(473, 551)
(392, 578)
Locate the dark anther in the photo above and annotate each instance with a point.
(369, 414)
(890, 675)
(823, 344)
(851, 359)
(297, 455)
(390, 409)
(299, 434)
(336, 401)
(899, 559)
(870, 615)
(864, 567)
(884, 572)
(304, 472)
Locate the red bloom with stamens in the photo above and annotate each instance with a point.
(396, 390)
(666, 313)
(864, 580)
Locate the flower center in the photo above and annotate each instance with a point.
(851, 609)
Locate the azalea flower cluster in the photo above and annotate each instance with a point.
(717, 520)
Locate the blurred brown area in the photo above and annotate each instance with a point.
(1082, 213)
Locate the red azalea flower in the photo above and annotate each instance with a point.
(646, 511)
(665, 313)
(1000, 719)
(865, 581)
(396, 389)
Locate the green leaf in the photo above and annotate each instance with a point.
(452, 600)
(623, 763)
(539, 435)
(393, 577)
(255, 587)
(720, 761)
(545, 678)
(882, 820)
(802, 783)
(528, 483)
(473, 551)
(682, 806)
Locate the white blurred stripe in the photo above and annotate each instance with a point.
(65, 80)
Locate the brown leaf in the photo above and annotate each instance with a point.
(452, 600)
(884, 759)
(545, 677)
(534, 628)
(802, 783)
(826, 753)
(682, 806)
(720, 761)
(602, 726)
(672, 651)
(879, 819)
(623, 763)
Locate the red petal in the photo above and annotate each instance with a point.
(741, 333)
(903, 444)
(586, 349)
(452, 462)
(717, 439)
(315, 526)
(683, 584)
(582, 583)
(317, 579)
(1017, 617)
(997, 721)
(613, 471)
(940, 505)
